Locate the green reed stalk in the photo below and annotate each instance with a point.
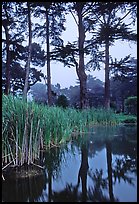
(27, 128)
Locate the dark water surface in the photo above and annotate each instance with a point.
(100, 166)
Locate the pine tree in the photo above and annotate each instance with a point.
(50, 31)
(111, 27)
(29, 53)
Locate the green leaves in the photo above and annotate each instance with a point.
(125, 68)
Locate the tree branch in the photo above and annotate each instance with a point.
(87, 10)
(74, 18)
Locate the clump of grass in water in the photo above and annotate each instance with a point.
(28, 128)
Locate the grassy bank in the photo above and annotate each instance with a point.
(126, 119)
(28, 128)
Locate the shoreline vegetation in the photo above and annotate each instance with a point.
(28, 128)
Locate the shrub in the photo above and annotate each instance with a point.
(131, 105)
(62, 101)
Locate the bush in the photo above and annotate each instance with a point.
(131, 105)
(62, 101)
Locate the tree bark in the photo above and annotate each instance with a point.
(8, 57)
(8, 60)
(29, 55)
(81, 71)
(107, 80)
(48, 61)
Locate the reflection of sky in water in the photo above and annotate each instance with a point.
(70, 168)
(123, 190)
(97, 159)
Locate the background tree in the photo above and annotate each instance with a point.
(131, 105)
(62, 101)
(18, 52)
(95, 93)
(8, 24)
(109, 28)
(17, 69)
(81, 71)
(50, 31)
(47, 6)
(82, 11)
(124, 81)
(73, 54)
(39, 93)
(29, 52)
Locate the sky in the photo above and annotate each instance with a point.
(67, 77)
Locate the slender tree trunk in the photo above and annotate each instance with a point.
(48, 61)
(123, 105)
(8, 57)
(81, 74)
(29, 55)
(8, 60)
(107, 80)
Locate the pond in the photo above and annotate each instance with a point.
(100, 166)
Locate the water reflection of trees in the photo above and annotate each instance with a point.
(116, 170)
(52, 161)
(23, 190)
(72, 194)
(31, 188)
(109, 166)
(101, 188)
(121, 168)
(82, 175)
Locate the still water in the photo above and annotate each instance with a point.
(100, 166)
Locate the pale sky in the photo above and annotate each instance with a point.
(67, 76)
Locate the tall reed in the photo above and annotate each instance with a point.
(29, 128)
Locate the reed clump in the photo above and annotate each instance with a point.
(29, 128)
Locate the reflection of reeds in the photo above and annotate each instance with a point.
(29, 128)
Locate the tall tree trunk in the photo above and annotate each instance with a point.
(107, 80)
(29, 55)
(8, 60)
(8, 57)
(48, 61)
(81, 74)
